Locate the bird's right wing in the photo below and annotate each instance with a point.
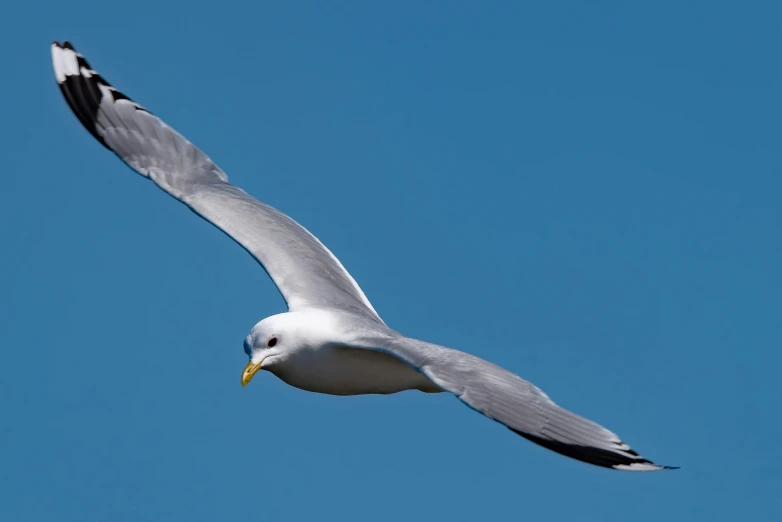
(304, 270)
(510, 400)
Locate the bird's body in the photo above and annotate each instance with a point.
(336, 369)
(331, 340)
(320, 356)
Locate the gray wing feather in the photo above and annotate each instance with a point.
(510, 400)
(304, 270)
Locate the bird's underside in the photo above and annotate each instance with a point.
(343, 370)
(311, 278)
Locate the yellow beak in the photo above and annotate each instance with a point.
(250, 370)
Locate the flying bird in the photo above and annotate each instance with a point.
(331, 340)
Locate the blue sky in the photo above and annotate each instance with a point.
(588, 195)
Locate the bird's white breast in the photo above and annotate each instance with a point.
(351, 371)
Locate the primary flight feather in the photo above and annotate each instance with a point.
(331, 340)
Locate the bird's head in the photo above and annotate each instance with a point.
(272, 341)
(268, 341)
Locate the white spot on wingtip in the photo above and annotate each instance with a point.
(638, 466)
(56, 50)
(65, 63)
(105, 91)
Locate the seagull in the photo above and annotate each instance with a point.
(331, 340)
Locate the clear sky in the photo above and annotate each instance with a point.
(586, 193)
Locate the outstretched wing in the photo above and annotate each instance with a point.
(510, 400)
(304, 270)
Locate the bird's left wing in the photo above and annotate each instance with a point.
(304, 270)
(510, 400)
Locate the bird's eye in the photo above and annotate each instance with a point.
(272, 342)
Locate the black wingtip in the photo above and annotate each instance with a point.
(626, 460)
(79, 85)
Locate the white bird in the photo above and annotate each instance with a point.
(331, 340)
